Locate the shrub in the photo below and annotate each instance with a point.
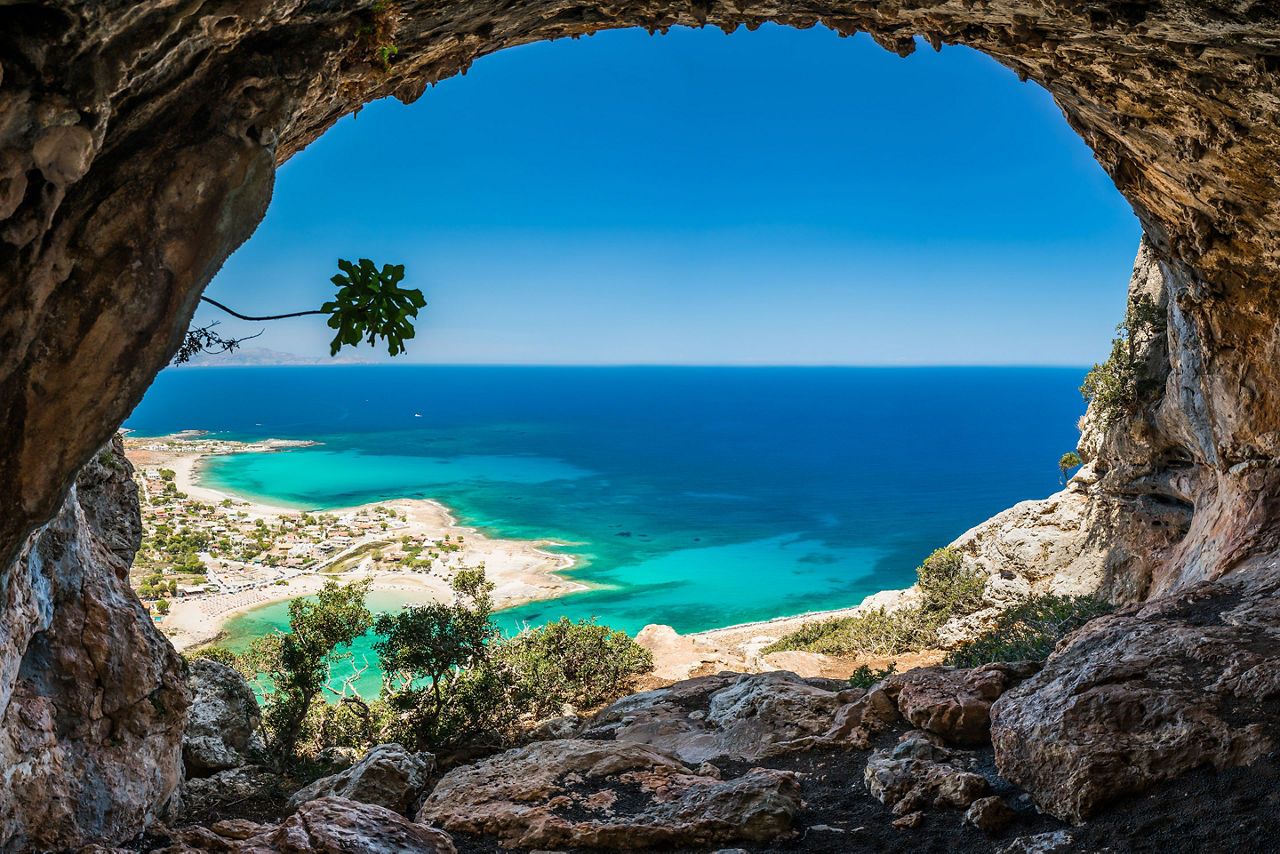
(948, 589)
(451, 679)
(578, 664)
(1123, 383)
(865, 677)
(1068, 461)
(874, 632)
(1030, 630)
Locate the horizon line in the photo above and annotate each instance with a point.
(729, 365)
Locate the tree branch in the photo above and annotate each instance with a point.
(268, 317)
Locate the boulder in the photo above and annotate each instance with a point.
(388, 776)
(592, 794)
(222, 721)
(743, 717)
(990, 814)
(335, 825)
(1146, 694)
(954, 703)
(909, 785)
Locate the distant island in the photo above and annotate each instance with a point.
(262, 357)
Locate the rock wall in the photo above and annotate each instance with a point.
(138, 143)
(1181, 491)
(92, 699)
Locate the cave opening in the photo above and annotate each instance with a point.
(775, 189)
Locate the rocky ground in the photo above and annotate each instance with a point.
(748, 762)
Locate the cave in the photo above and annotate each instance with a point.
(138, 145)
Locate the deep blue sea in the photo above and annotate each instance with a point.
(696, 497)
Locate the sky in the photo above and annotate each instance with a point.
(775, 197)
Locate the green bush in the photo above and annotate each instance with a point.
(865, 677)
(578, 664)
(1030, 630)
(1123, 383)
(947, 590)
(1068, 461)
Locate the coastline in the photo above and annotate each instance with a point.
(521, 570)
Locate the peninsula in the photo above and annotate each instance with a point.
(208, 555)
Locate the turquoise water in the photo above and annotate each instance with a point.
(696, 497)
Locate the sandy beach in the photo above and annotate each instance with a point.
(520, 570)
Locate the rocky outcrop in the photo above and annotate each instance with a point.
(92, 698)
(138, 143)
(340, 826)
(222, 722)
(739, 717)
(388, 776)
(1147, 694)
(593, 794)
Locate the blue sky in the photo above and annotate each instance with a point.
(776, 197)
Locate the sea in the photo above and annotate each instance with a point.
(689, 496)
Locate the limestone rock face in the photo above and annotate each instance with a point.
(591, 794)
(223, 720)
(388, 776)
(1146, 694)
(92, 698)
(340, 826)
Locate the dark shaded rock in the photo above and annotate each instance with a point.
(954, 703)
(1147, 694)
(991, 814)
(908, 785)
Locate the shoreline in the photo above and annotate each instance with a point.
(522, 570)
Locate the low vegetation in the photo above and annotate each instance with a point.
(450, 678)
(866, 676)
(1030, 630)
(1123, 384)
(948, 589)
(1069, 461)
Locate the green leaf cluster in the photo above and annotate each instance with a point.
(371, 304)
